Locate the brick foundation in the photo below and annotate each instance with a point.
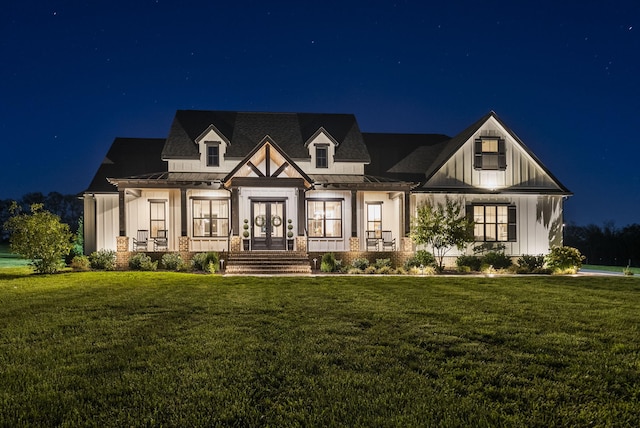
(354, 244)
(122, 252)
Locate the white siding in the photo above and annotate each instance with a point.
(107, 221)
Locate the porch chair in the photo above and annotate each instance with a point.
(372, 240)
(141, 242)
(388, 241)
(161, 242)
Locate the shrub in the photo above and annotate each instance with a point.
(80, 263)
(360, 264)
(472, 262)
(40, 237)
(328, 263)
(421, 257)
(627, 271)
(141, 261)
(383, 263)
(354, 271)
(206, 262)
(385, 270)
(497, 259)
(531, 264)
(564, 260)
(370, 270)
(173, 261)
(103, 260)
(426, 270)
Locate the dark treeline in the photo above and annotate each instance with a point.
(68, 207)
(605, 245)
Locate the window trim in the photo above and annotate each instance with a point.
(479, 156)
(324, 218)
(378, 231)
(152, 220)
(512, 221)
(325, 148)
(210, 145)
(220, 233)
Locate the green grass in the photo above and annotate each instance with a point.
(635, 270)
(170, 349)
(9, 260)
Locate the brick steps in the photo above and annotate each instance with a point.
(268, 263)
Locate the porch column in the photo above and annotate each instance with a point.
(122, 220)
(407, 213)
(302, 221)
(183, 212)
(354, 214)
(235, 212)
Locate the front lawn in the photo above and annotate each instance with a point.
(150, 349)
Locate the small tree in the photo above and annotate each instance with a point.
(39, 236)
(443, 227)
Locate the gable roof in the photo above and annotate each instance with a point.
(127, 157)
(244, 130)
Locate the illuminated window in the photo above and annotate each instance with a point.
(158, 217)
(374, 218)
(213, 154)
(322, 156)
(210, 217)
(494, 223)
(490, 154)
(324, 218)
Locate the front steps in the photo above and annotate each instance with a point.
(267, 263)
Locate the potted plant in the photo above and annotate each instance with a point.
(245, 235)
(289, 235)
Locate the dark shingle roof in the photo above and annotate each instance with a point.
(128, 157)
(245, 130)
(402, 155)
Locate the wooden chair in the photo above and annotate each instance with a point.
(372, 240)
(388, 241)
(161, 242)
(141, 242)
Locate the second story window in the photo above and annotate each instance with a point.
(490, 154)
(322, 156)
(213, 155)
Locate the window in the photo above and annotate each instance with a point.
(213, 154)
(494, 222)
(324, 218)
(490, 153)
(157, 217)
(210, 217)
(374, 218)
(322, 156)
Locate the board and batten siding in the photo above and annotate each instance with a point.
(521, 171)
(539, 220)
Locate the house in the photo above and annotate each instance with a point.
(318, 178)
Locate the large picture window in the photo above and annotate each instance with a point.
(210, 217)
(158, 217)
(494, 223)
(490, 153)
(324, 218)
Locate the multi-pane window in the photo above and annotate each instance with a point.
(490, 153)
(324, 218)
(210, 217)
(494, 223)
(213, 154)
(157, 218)
(374, 218)
(322, 156)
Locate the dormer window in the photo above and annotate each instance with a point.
(490, 154)
(213, 154)
(322, 156)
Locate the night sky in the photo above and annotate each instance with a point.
(564, 75)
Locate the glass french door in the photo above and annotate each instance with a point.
(268, 231)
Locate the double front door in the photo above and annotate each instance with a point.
(268, 231)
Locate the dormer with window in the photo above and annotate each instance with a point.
(212, 145)
(322, 148)
(490, 154)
